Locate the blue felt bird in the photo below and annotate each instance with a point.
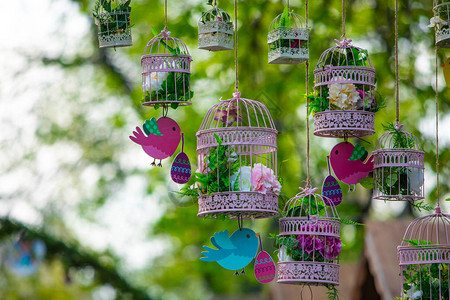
(235, 252)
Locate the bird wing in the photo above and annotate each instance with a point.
(140, 138)
(214, 255)
(359, 152)
(151, 127)
(222, 240)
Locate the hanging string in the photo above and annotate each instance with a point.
(397, 100)
(235, 47)
(288, 5)
(437, 129)
(308, 181)
(165, 12)
(343, 18)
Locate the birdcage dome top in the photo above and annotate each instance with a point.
(437, 3)
(215, 14)
(295, 21)
(310, 213)
(236, 113)
(344, 54)
(165, 45)
(429, 231)
(398, 139)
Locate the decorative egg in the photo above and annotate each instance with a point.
(332, 192)
(25, 256)
(265, 270)
(181, 169)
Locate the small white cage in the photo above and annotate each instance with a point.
(215, 30)
(440, 22)
(288, 39)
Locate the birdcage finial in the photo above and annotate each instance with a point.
(345, 43)
(237, 95)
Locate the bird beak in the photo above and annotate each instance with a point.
(257, 235)
(442, 65)
(181, 133)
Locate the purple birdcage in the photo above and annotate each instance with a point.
(398, 166)
(440, 22)
(309, 240)
(166, 72)
(215, 30)
(113, 21)
(237, 161)
(288, 39)
(424, 257)
(344, 102)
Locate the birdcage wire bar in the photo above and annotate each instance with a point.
(114, 28)
(248, 141)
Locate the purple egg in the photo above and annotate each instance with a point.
(332, 192)
(181, 169)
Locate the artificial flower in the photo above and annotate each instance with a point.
(241, 180)
(295, 43)
(264, 180)
(310, 243)
(333, 247)
(366, 102)
(156, 81)
(228, 115)
(343, 95)
(436, 21)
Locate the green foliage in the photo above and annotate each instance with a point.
(399, 138)
(348, 221)
(285, 20)
(332, 293)
(175, 87)
(348, 57)
(307, 206)
(417, 242)
(419, 205)
(426, 282)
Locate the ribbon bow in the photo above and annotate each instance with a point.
(165, 34)
(327, 68)
(399, 127)
(308, 190)
(237, 95)
(344, 43)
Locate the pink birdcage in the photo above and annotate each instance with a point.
(237, 161)
(424, 257)
(345, 101)
(113, 21)
(166, 72)
(441, 23)
(215, 30)
(288, 39)
(309, 240)
(398, 166)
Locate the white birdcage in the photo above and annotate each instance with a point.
(113, 21)
(440, 22)
(309, 240)
(215, 30)
(398, 167)
(424, 257)
(166, 72)
(288, 39)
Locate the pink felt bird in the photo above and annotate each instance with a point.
(350, 163)
(161, 138)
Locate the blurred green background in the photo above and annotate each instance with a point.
(113, 227)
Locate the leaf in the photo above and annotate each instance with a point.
(209, 2)
(367, 183)
(174, 105)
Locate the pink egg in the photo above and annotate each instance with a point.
(264, 267)
(332, 192)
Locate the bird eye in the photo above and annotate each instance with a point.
(336, 152)
(173, 128)
(248, 236)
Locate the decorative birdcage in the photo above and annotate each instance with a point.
(398, 166)
(113, 21)
(166, 72)
(440, 22)
(309, 240)
(345, 101)
(237, 161)
(288, 39)
(424, 257)
(215, 30)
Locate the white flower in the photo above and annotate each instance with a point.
(156, 81)
(434, 21)
(416, 295)
(415, 179)
(282, 256)
(243, 177)
(343, 95)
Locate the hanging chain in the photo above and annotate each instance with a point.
(343, 18)
(397, 100)
(437, 129)
(308, 181)
(236, 47)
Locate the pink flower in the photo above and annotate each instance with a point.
(264, 180)
(333, 247)
(310, 243)
(295, 43)
(228, 115)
